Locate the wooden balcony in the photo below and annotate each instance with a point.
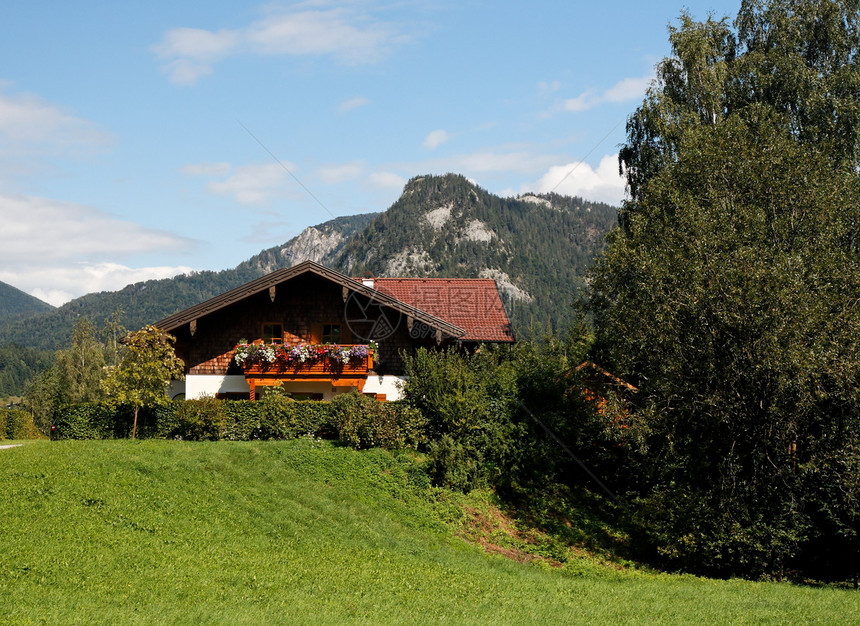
(322, 369)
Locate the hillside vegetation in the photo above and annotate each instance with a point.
(261, 532)
(13, 302)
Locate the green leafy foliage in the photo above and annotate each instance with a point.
(74, 375)
(147, 367)
(203, 419)
(17, 424)
(18, 366)
(797, 58)
(728, 295)
(283, 418)
(469, 402)
(517, 417)
(363, 422)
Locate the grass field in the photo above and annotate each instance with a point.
(305, 531)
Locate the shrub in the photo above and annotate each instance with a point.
(283, 418)
(17, 424)
(204, 419)
(243, 420)
(87, 420)
(450, 465)
(362, 422)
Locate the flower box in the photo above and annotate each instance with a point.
(303, 360)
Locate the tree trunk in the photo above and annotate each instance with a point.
(134, 427)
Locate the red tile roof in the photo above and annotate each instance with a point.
(473, 304)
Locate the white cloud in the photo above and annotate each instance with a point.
(30, 124)
(83, 278)
(348, 36)
(549, 86)
(622, 91)
(353, 103)
(50, 230)
(386, 180)
(59, 250)
(435, 139)
(340, 173)
(628, 89)
(603, 184)
(254, 184)
(194, 43)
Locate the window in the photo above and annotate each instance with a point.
(331, 333)
(273, 333)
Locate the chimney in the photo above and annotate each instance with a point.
(367, 282)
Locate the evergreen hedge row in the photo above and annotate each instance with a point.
(357, 420)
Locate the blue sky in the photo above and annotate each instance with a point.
(137, 138)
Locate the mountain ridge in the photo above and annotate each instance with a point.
(536, 247)
(13, 301)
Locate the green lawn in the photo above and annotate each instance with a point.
(272, 532)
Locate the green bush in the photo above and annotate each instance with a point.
(283, 418)
(243, 420)
(449, 464)
(87, 420)
(363, 422)
(358, 420)
(17, 424)
(200, 420)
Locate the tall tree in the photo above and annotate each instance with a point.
(148, 366)
(80, 368)
(75, 375)
(729, 294)
(798, 57)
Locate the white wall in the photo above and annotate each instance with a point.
(389, 385)
(198, 385)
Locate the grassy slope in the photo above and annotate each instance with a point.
(263, 532)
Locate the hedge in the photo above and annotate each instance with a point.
(17, 424)
(356, 420)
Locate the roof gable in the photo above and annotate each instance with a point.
(278, 277)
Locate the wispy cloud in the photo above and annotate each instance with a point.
(345, 34)
(549, 86)
(622, 91)
(31, 125)
(255, 184)
(353, 103)
(59, 250)
(57, 285)
(386, 180)
(435, 139)
(341, 172)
